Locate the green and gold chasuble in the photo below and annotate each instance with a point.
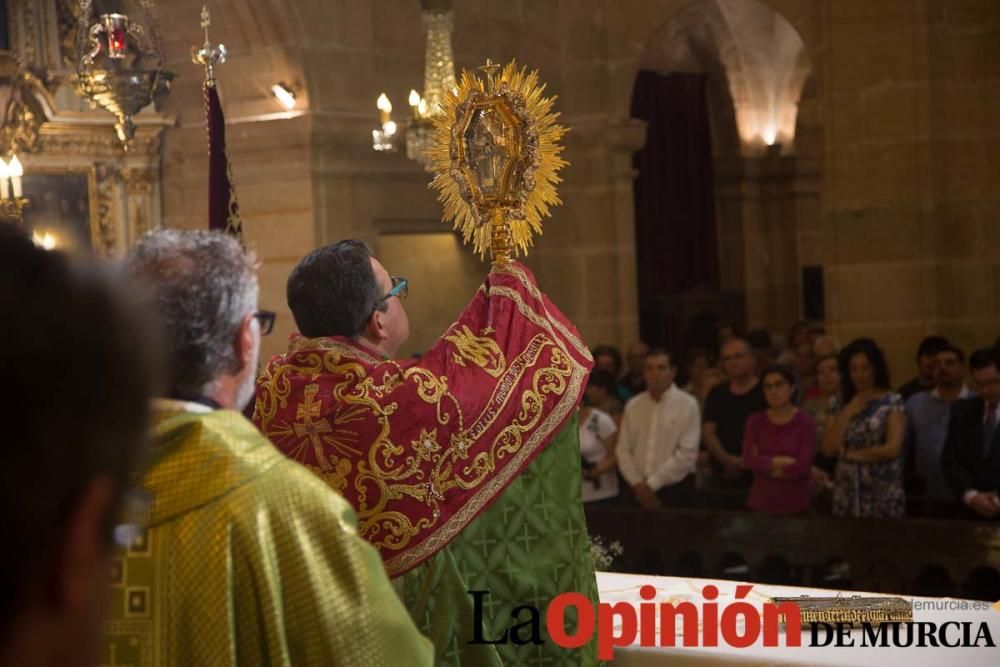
(248, 559)
(528, 547)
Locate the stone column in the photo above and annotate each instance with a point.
(585, 260)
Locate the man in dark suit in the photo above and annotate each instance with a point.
(971, 455)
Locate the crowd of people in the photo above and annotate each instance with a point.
(795, 426)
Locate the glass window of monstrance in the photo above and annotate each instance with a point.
(491, 147)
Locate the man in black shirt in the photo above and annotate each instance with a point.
(726, 410)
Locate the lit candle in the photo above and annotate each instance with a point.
(422, 108)
(4, 180)
(116, 29)
(16, 172)
(384, 108)
(415, 103)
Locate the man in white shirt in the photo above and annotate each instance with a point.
(658, 440)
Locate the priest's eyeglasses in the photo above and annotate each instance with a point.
(400, 288)
(266, 319)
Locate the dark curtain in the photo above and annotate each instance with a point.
(675, 230)
(4, 35)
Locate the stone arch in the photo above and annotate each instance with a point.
(756, 63)
(767, 193)
(689, 42)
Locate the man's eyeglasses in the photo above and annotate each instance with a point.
(400, 288)
(266, 319)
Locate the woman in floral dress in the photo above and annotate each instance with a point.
(867, 437)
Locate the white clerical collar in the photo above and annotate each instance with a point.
(174, 405)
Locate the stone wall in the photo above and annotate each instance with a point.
(887, 184)
(271, 151)
(911, 151)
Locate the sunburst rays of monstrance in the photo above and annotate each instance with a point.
(496, 154)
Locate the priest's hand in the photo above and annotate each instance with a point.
(646, 496)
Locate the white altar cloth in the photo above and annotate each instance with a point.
(616, 587)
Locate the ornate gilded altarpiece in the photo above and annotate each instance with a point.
(75, 167)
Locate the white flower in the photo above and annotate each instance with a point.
(604, 556)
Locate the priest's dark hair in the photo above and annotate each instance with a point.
(80, 366)
(333, 291)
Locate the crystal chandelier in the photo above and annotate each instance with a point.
(120, 64)
(439, 78)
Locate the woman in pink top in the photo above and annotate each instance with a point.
(779, 446)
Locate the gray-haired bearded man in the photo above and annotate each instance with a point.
(246, 558)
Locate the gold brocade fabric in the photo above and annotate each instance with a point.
(420, 448)
(249, 559)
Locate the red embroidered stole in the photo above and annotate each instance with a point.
(420, 448)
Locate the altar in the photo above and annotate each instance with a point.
(946, 615)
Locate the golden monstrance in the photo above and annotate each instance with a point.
(496, 155)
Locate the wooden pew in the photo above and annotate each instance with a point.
(877, 555)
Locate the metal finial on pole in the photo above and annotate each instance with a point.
(208, 55)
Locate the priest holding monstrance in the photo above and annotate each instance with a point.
(463, 466)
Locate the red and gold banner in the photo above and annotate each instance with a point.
(420, 448)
